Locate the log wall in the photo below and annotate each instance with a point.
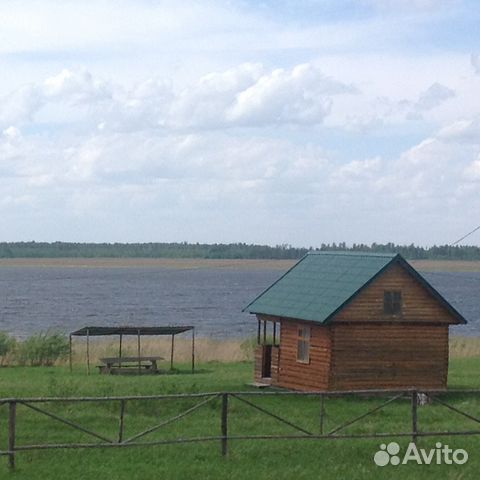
(389, 356)
(418, 305)
(304, 376)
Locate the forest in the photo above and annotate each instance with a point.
(223, 251)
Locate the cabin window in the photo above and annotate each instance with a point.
(392, 302)
(303, 345)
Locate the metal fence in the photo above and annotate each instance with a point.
(224, 436)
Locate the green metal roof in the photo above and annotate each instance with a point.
(323, 282)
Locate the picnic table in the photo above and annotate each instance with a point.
(129, 364)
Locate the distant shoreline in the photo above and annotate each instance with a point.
(195, 263)
(175, 263)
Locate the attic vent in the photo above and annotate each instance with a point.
(392, 302)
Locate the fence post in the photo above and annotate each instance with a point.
(414, 417)
(224, 424)
(322, 412)
(121, 423)
(11, 433)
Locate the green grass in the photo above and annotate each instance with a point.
(299, 459)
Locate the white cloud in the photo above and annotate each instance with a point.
(360, 172)
(11, 133)
(475, 61)
(461, 131)
(302, 95)
(434, 96)
(205, 102)
(247, 95)
(472, 171)
(20, 105)
(76, 86)
(208, 177)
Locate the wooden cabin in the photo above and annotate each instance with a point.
(345, 321)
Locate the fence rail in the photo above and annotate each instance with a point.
(224, 437)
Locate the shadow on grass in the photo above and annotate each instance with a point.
(176, 371)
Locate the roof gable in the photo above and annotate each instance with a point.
(321, 284)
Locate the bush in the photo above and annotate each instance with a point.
(43, 349)
(7, 345)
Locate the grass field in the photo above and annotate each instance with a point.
(303, 459)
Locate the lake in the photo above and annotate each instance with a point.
(35, 299)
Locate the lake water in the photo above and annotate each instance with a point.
(34, 299)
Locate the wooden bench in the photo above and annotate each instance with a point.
(126, 365)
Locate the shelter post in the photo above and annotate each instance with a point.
(120, 349)
(139, 352)
(193, 350)
(70, 352)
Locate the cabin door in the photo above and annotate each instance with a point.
(267, 361)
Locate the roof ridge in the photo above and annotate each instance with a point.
(356, 254)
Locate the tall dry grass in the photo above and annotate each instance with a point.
(464, 347)
(206, 349)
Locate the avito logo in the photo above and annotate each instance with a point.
(441, 454)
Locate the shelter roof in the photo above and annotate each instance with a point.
(131, 330)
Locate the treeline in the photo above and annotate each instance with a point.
(227, 251)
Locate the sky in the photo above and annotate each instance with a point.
(273, 122)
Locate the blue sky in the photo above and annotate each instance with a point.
(300, 122)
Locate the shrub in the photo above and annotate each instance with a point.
(7, 345)
(43, 349)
